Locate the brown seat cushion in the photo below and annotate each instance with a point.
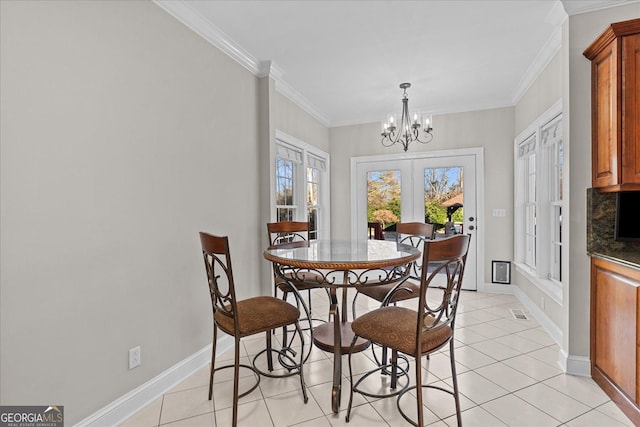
(301, 286)
(406, 291)
(395, 327)
(257, 315)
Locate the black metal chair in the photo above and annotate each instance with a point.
(242, 318)
(416, 333)
(288, 234)
(410, 233)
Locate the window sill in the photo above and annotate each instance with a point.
(551, 288)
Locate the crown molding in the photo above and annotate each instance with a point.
(577, 7)
(184, 13)
(459, 109)
(194, 20)
(296, 97)
(555, 17)
(542, 59)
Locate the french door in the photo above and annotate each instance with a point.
(437, 188)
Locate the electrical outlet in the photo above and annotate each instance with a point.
(134, 357)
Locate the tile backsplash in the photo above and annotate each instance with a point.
(601, 219)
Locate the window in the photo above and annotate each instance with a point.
(552, 143)
(287, 161)
(527, 153)
(301, 185)
(539, 201)
(315, 169)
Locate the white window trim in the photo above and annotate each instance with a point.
(537, 275)
(309, 156)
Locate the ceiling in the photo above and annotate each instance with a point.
(343, 61)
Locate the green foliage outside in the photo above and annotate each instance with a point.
(437, 214)
(383, 194)
(441, 184)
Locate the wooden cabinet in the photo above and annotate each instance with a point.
(615, 97)
(615, 333)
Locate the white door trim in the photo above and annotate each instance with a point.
(478, 152)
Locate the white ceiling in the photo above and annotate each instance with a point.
(343, 60)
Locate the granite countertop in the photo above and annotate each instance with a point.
(629, 259)
(601, 242)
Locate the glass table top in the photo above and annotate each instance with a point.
(344, 254)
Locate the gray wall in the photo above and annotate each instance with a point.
(491, 129)
(543, 93)
(123, 134)
(300, 124)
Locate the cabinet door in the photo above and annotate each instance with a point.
(605, 106)
(631, 109)
(615, 323)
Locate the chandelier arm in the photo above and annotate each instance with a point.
(388, 142)
(428, 140)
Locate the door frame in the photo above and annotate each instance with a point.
(478, 152)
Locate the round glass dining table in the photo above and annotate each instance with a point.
(341, 264)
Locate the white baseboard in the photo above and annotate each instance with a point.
(552, 329)
(497, 288)
(132, 402)
(575, 365)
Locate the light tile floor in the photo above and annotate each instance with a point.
(507, 373)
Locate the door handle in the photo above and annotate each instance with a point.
(471, 227)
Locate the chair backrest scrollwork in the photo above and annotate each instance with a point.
(414, 234)
(288, 233)
(217, 261)
(441, 283)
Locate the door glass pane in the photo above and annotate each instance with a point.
(313, 184)
(444, 199)
(383, 202)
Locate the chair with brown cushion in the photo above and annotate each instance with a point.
(294, 233)
(410, 233)
(242, 318)
(420, 332)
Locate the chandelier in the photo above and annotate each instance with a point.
(408, 129)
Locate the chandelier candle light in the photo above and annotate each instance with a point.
(409, 129)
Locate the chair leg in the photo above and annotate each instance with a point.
(350, 380)
(419, 389)
(285, 295)
(275, 295)
(353, 305)
(454, 378)
(213, 359)
(236, 380)
(302, 384)
(394, 369)
(269, 354)
(328, 292)
(384, 355)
